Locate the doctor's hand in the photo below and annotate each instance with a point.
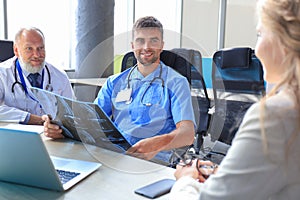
(144, 149)
(51, 130)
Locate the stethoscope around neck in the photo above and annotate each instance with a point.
(23, 84)
(154, 79)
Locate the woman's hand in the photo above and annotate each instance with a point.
(199, 170)
(205, 169)
(187, 170)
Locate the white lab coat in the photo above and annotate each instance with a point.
(14, 107)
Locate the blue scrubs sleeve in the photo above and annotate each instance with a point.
(181, 102)
(104, 97)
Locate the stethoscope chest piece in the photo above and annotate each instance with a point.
(49, 87)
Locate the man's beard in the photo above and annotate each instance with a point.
(147, 63)
(29, 68)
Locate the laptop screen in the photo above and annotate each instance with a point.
(25, 160)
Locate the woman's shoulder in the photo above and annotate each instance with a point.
(277, 116)
(279, 104)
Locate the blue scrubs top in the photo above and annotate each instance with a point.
(158, 102)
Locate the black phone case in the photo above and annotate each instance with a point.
(156, 189)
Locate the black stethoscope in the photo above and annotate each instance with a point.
(154, 79)
(23, 84)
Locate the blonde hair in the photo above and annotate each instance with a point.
(282, 17)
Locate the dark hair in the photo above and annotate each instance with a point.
(147, 22)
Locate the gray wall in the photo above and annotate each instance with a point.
(200, 24)
(94, 47)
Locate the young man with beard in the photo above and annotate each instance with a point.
(150, 102)
(17, 103)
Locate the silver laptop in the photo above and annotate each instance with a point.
(25, 160)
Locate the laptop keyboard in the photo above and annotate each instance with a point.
(65, 176)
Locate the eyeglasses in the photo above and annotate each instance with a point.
(206, 170)
(184, 160)
(187, 160)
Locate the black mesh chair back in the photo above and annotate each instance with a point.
(237, 78)
(6, 50)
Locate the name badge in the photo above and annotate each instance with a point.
(124, 95)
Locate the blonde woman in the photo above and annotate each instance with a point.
(264, 160)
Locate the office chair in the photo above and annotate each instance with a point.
(187, 62)
(237, 78)
(6, 50)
